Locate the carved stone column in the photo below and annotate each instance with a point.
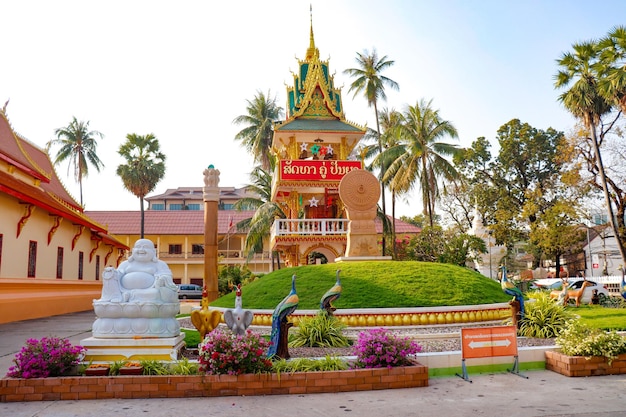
(211, 195)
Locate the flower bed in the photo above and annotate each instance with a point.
(175, 386)
(582, 366)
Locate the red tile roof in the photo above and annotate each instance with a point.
(189, 222)
(162, 222)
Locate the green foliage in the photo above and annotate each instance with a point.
(154, 367)
(184, 367)
(320, 331)
(543, 318)
(115, 367)
(374, 284)
(230, 276)
(192, 338)
(328, 363)
(579, 339)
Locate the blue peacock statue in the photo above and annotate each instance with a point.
(280, 325)
(509, 288)
(330, 296)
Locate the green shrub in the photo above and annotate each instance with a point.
(320, 331)
(578, 339)
(328, 363)
(154, 367)
(184, 367)
(543, 317)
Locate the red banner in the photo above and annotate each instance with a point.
(327, 170)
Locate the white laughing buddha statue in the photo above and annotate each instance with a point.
(139, 298)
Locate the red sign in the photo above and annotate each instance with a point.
(482, 342)
(315, 170)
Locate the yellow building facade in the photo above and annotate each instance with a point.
(51, 253)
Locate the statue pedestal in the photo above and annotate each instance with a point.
(157, 348)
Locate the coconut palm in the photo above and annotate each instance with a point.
(420, 157)
(371, 83)
(584, 101)
(256, 137)
(144, 168)
(266, 210)
(78, 145)
(391, 123)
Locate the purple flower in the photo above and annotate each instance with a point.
(377, 348)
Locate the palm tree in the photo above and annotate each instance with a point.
(391, 123)
(612, 67)
(144, 168)
(262, 112)
(266, 210)
(584, 101)
(370, 81)
(78, 144)
(419, 156)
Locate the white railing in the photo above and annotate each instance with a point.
(307, 227)
(611, 282)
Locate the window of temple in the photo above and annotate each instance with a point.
(197, 249)
(97, 267)
(59, 262)
(81, 262)
(32, 258)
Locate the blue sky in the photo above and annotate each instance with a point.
(183, 70)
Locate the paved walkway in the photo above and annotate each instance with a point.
(544, 393)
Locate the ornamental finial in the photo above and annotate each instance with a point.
(312, 51)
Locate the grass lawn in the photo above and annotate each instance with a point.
(601, 317)
(375, 284)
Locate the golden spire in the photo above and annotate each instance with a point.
(312, 51)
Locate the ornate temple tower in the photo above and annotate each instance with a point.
(313, 148)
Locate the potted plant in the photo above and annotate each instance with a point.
(586, 351)
(131, 368)
(97, 369)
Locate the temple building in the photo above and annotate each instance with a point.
(313, 147)
(51, 253)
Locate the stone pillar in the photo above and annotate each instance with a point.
(211, 195)
(360, 190)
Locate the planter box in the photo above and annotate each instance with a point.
(131, 370)
(581, 366)
(179, 386)
(99, 371)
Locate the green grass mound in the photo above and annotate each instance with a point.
(375, 284)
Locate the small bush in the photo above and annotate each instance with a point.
(184, 367)
(50, 356)
(154, 367)
(377, 348)
(223, 352)
(578, 339)
(320, 331)
(543, 318)
(328, 363)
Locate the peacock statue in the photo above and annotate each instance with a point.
(509, 288)
(330, 296)
(280, 324)
(238, 319)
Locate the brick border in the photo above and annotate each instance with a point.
(179, 386)
(580, 366)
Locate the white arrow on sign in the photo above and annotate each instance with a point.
(489, 343)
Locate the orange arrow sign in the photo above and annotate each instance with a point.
(483, 342)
